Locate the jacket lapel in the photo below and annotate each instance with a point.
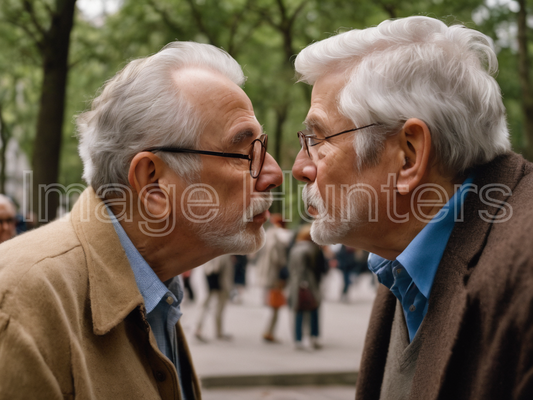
(113, 291)
(189, 379)
(376, 346)
(448, 300)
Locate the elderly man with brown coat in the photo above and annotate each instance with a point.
(406, 154)
(90, 304)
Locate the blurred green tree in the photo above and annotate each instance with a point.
(263, 35)
(48, 24)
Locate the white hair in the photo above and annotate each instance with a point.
(6, 200)
(417, 67)
(142, 107)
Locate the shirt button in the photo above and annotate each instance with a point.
(170, 300)
(398, 271)
(412, 308)
(160, 376)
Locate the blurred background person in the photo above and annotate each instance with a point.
(186, 276)
(219, 274)
(272, 270)
(8, 220)
(306, 267)
(351, 262)
(240, 261)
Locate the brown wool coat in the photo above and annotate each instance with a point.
(477, 337)
(72, 322)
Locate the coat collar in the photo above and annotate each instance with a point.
(113, 293)
(448, 299)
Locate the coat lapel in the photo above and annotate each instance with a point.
(448, 300)
(376, 346)
(113, 291)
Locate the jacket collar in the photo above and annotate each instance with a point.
(113, 293)
(448, 299)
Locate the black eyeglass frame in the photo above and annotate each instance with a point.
(263, 140)
(310, 140)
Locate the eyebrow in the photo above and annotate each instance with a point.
(313, 123)
(242, 136)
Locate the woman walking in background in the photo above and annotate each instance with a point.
(306, 266)
(272, 262)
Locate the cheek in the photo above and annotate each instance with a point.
(325, 152)
(329, 193)
(325, 171)
(236, 192)
(335, 161)
(335, 171)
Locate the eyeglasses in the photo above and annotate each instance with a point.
(8, 220)
(256, 157)
(308, 140)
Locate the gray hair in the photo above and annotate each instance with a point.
(417, 67)
(142, 107)
(6, 200)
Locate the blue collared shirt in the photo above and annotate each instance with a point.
(161, 300)
(410, 277)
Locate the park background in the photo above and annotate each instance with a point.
(55, 54)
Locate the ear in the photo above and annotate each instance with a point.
(145, 177)
(415, 143)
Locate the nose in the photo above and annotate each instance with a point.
(304, 169)
(270, 176)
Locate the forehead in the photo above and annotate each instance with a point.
(6, 209)
(324, 111)
(225, 109)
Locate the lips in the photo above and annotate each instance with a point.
(312, 211)
(262, 217)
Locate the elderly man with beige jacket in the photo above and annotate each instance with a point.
(178, 173)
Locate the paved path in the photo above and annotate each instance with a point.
(247, 360)
(276, 393)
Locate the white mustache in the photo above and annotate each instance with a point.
(311, 197)
(259, 205)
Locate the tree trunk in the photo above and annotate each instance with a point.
(4, 137)
(525, 80)
(47, 145)
(281, 116)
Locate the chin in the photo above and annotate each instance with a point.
(331, 230)
(232, 234)
(242, 242)
(324, 233)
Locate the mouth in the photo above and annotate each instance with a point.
(262, 217)
(312, 211)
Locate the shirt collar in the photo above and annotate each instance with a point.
(150, 286)
(422, 256)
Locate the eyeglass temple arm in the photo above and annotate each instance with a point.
(337, 134)
(209, 153)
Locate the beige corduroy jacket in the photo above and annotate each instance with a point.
(72, 320)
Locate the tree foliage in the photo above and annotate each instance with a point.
(263, 35)
(47, 25)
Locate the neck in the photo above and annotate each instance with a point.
(169, 251)
(413, 212)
